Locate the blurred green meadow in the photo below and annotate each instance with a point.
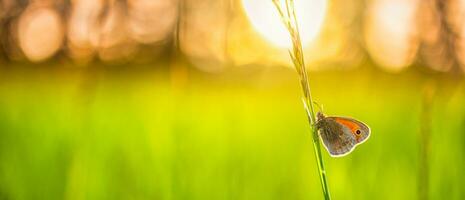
(137, 133)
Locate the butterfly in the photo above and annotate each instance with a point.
(341, 135)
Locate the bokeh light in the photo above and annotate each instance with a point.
(203, 33)
(151, 20)
(391, 33)
(459, 27)
(263, 16)
(40, 32)
(217, 34)
(83, 28)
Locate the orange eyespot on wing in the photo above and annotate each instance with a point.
(354, 127)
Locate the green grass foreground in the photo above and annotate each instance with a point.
(119, 134)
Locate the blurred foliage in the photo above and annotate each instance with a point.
(125, 134)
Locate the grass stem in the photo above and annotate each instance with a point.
(289, 19)
(426, 119)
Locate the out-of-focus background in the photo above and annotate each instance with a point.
(197, 99)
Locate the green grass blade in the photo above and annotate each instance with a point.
(289, 19)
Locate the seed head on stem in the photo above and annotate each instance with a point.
(289, 19)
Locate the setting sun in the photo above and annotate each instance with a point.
(264, 17)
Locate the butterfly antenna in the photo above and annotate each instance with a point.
(319, 107)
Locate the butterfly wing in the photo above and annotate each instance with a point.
(358, 129)
(340, 135)
(336, 137)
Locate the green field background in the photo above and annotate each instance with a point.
(125, 133)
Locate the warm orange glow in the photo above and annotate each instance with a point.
(265, 19)
(390, 33)
(204, 34)
(151, 21)
(40, 33)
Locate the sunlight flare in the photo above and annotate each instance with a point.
(262, 15)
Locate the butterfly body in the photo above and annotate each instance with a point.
(341, 135)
